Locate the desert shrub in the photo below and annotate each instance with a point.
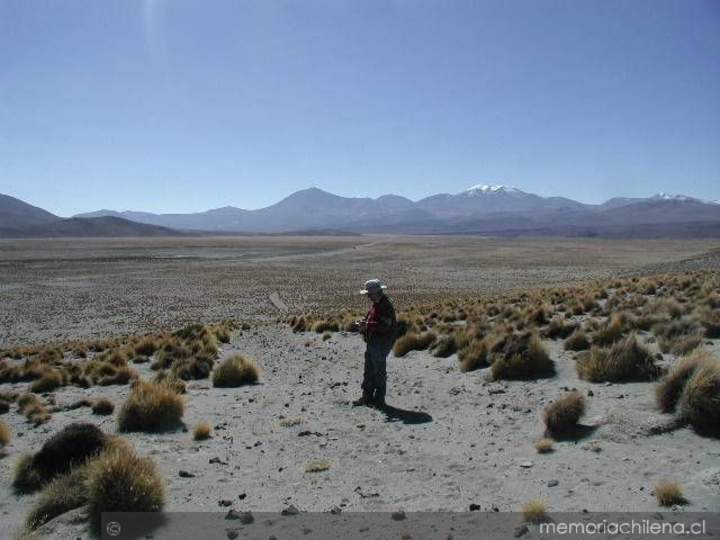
(700, 399)
(710, 321)
(669, 389)
(33, 409)
(222, 335)
(563, 414)
(669, 494)
(63, 494)
(120, 481)
(559, 328)
(626, 360)
(5, 434)
(69, 447)
(474, 356)
(577, 341)
(325, 326)
(192, 368)
(235, 370)
(173, 383)
(50, 381)
(201, 431)
(121, 375)
(544, 445)
(448, 345)
(535, 511)
(413, 342)
(146, 346)
(103, 406)
(300, 324)
(520, 357)
(609, 333)
(26, 478)
(150, 407)
(685, 345)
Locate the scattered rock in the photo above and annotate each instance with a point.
(232, 533)
(520, 530)
(290, 511)
(242, 496)
(526, 464)
(474, 507)
(217, 460)
(224, 502)
(398, 516)
(335, 510)
(552, 483)
(185, 474)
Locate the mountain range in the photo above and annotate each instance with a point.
(481, 209)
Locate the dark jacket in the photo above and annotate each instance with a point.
(381, 323)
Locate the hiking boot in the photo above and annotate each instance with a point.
(364, 401)
(379, 402)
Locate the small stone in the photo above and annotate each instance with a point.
(224, 502)
(520, 530)
(185, 474)
(552, 483)
(242, 496)
(591, 393)
(232, 534)
(398, 516)
(526, 464)
(290, 511)
(232, 514)
(474, 507)
(335, 510)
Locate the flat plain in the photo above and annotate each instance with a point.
(79, 288)
(455, 437)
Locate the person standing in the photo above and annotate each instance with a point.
(378, 330)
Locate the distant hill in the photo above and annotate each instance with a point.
(481, 209)
(107, 226)
(15, 213)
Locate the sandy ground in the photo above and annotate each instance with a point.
(451, 439)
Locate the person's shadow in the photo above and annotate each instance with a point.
(395, 414)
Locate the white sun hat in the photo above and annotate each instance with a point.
(373, 285)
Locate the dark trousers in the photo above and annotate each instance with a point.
(375, 373)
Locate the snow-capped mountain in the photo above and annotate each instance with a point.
(483, 208)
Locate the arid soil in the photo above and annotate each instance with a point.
(450, 440)
(79, 288)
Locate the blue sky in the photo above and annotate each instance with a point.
(179, 105)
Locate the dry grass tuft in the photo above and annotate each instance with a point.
(544, 445)
(63, 494)
(700, 399)
(626, 360)
(535, 511)
(103, 406)
(120, 481)
(202, 431)
(51, 380)
(235, 370)
(669, 494)
(578, 341)
(146, 346)
(325, 326)
(151, 407)
(563, 414)
(609, 333)
(474, 356)
(521, 357)
(669, 389)
(317, 466)
(413, 342)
